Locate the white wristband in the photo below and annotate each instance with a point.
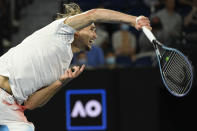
(139, 17)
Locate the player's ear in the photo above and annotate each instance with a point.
(76, 35)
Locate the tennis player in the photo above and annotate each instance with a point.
(33, 71)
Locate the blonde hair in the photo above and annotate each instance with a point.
(70, 10)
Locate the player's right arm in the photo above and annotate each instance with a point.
(105, 16)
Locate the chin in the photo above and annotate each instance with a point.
(88, 48)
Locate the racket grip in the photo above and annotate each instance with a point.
(148, 34)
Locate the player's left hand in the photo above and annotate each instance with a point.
(142, 21)
(72, 73)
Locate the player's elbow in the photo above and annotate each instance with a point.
(91, 15)
(31, 106)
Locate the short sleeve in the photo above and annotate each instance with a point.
(64, 31)
(57, 29)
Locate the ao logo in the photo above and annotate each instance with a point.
(92, 109)
(86, 110)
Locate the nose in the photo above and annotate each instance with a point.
(94, 35)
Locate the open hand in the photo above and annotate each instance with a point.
(69, 74)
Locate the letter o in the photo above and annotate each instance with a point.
(97, 108)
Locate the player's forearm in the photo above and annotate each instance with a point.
(110, 16)
(99, 15)
(42, 96)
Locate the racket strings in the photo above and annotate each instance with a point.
(179, 81)
(179, 78)
(188, 77)
(183, 71)
(168, 72)
(176, 72)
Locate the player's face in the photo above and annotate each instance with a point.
(87, 37)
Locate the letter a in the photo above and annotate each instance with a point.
(78, 110)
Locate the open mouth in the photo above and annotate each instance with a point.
(91, 42)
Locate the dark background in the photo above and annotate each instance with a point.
(136, 100)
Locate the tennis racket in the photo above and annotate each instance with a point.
(176, 70)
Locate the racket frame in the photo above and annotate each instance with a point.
(156, 43)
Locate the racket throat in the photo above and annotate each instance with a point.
(157, 51)
(155, 45)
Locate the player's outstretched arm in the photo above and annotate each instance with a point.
(105, 16)
(42, 96)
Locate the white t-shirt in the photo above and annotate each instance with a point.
(39, 60)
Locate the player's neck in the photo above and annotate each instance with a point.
(74, 48)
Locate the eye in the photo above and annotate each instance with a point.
(93, 29)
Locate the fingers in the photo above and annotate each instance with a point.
(82, 68)
(69, 73)
(143, 21)
(72, 72)
(78, 70)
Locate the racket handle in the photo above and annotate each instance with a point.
(148, 34)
